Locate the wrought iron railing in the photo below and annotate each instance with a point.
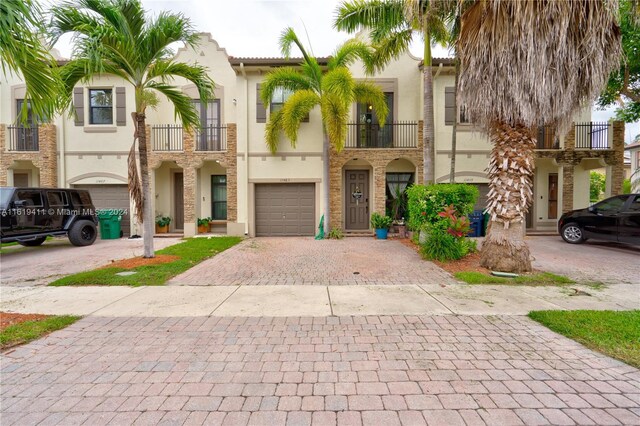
(167, 137)
(592, 135)
(547, 138)
(211, 138)
(402, 134)
(23, 138)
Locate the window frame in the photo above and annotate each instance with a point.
(463, 111)
(215, 202)
(92, 107)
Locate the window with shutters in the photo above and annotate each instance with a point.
(463, 115)
(100, 106)
(279, 97)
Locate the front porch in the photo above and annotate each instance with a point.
(28, 156)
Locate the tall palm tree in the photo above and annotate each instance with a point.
(523, 64)
(115, 37)
(333, 89)
(21, 51)
(393, 24)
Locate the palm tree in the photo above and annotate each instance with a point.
(114, 37)
(393, 24)
(333, 89)
(523, 64)
(21, 51)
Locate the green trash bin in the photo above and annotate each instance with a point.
(109, 225)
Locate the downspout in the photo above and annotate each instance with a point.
(246, 146)
(438, 72)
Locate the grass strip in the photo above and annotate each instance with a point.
(538, 279)
(28, 331)
(613, 333)
(190, 252)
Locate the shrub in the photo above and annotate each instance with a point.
(447, 237)
(425, 202)
(380, 222)
(335, 234)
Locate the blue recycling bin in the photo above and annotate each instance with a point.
(476, 223)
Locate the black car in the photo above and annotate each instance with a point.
(614, 219)
(29, 215)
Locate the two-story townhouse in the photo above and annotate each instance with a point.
(634, 157)
(223, 170)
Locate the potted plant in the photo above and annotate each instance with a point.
(162, 224)
(381, 224)
(203, 225)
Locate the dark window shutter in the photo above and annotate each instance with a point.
(449, 105)
(261, 111)
(121, 106)
(78, 103)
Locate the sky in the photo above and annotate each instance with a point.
(251, 28)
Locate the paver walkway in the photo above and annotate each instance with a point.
(303, 261)
(388, 370)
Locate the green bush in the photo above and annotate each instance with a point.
(335, 234)
(425, 202)
(447, 237)
(380, 222)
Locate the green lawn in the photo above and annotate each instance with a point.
(614, 333)
(541, 279)
(27, 331)
(190, 252)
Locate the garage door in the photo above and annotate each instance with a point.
(111, 197)
(285, 209)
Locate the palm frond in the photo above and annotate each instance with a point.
(533, 62)
(166, 29)
(197, 74)
(379, 16)
(391, 47)
(340, 83)
(351, 51)
(134, 183)
(335, 115)
(369, 93)
(183, 107)
(286, 78)
(273, 130)
(295, 110)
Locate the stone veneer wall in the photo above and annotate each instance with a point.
(191, 160)
(378, 159)
(569, 157)
(45, 159)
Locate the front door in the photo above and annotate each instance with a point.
(178, 201)
(357, 199)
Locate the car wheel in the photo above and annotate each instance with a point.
(33, 243)
(572, 233)
(83, 233)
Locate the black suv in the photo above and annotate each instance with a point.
(29, 215)
(614, 219)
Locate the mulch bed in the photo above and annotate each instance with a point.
(142, 261)
(468, 263)
(8, 318)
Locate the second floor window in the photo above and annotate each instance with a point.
(280, 96)
(463, 115)
(100, 106)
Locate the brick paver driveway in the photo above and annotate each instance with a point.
(447, 370)
(280, 261)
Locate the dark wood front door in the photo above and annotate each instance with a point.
(178, 201)
(357, 199)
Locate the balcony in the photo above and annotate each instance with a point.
(23, 138)
(170, 138)
(547, 138)
(391, 135)
(592, 136)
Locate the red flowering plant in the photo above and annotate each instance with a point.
(457, 226)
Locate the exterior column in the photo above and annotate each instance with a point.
(617, 165)
(189, 174)
(48, 155)
(420, 164)
(4, 160)
(567, 187)
(335, 190)
(232, 173)
(379, 183)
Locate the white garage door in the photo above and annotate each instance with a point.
(111, 197)
(285, 209)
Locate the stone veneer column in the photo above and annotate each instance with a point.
(232, 173)
(189, 174)
(335, 189)
(617, 173)
(4, 160)
(567, 187)
(379, 183)
(570, 138)
(420, 164)
(48, 155)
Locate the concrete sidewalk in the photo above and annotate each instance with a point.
(284, 300)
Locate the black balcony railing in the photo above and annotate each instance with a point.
(547, 138)
(592, 135)
(23, 138)
(167, 137)
(211, 138)
(403, 134)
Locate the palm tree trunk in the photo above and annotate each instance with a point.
(454, 135)
(428, 130)
(147, 214)
(510, 195)
(325, 181)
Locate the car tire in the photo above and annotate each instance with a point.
(572, 233)
(83, 233)
(33, 243)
